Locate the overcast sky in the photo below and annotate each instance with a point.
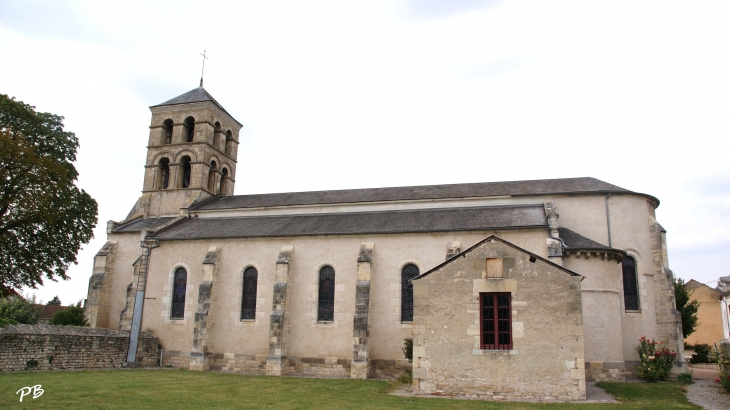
(345, 94)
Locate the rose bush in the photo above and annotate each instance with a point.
(656, 360)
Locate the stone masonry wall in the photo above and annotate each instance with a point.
(546, 359)
(44, 347)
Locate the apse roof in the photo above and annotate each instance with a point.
(411, 221)
(195, 95)
(576, 241)
(425, 192)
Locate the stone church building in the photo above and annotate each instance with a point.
(519, 289)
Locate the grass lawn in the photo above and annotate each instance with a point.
(180, 389)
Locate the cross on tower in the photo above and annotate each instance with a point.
(203, 70)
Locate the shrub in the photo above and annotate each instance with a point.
(722, 356)
(702, 354)
(408, 349)
(15, 311)
(656, 360)
(71, 316)
(685, 378)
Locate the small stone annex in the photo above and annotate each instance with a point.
(508, 289)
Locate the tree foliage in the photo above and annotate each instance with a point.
(56, 301)
(686, 308)
(44, 217)
(71, 316)
(15, 311)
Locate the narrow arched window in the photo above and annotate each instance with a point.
(189, 128)
(229, 142)
(217, 135)
(167, 131)
(164, 178)
(248, 304)
(178, 294)
(186, 170)
(409, 272)
(326, 309)
(224, 182)
(631, 288)
(211, 176)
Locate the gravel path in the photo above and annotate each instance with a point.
(707, 393)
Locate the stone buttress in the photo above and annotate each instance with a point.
(360, 367)
(276, 360)
(96, 308)
(204, 321)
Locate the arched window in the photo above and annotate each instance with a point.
(631, 288)
(164, 178)
(217, 135)
(167, 131)
(189, 128)
(211, 176)
(409, 272)
(248, 304)
(326, 309)
(224, 182)
(178, 294)
(229, 142)
(186, 169)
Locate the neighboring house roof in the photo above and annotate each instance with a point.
(425, 192)
(576, 241)
(195, 95)
(693, 284)
(137, 225)
(422, 220)
(496, 238)
(50, 310)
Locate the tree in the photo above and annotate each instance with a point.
(685, 307)
(15, 311)
(54, 302)
(44, 217)
(71, 316)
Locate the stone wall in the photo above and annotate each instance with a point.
(44, 347)
(545, 360)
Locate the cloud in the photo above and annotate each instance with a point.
(437, 9)
(56, 20)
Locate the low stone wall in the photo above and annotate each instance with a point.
(45, 347)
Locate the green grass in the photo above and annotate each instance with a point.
(179, 389)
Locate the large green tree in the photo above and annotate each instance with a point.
(44, 217)
(686, 308)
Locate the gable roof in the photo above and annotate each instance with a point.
(425, 192)
(510, 244)
(195, 95)
(410, 221)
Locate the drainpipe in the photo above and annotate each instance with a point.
(146, 244)
(608, 221)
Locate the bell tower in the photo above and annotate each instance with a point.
(191, 154)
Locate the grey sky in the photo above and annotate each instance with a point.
(338, 95)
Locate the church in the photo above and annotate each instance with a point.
(508, 290)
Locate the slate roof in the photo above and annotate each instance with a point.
(138, 224)
(423, 220)
(576, 241)
(425, 192)
(195, 95)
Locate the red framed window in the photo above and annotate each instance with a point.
(495, 320)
